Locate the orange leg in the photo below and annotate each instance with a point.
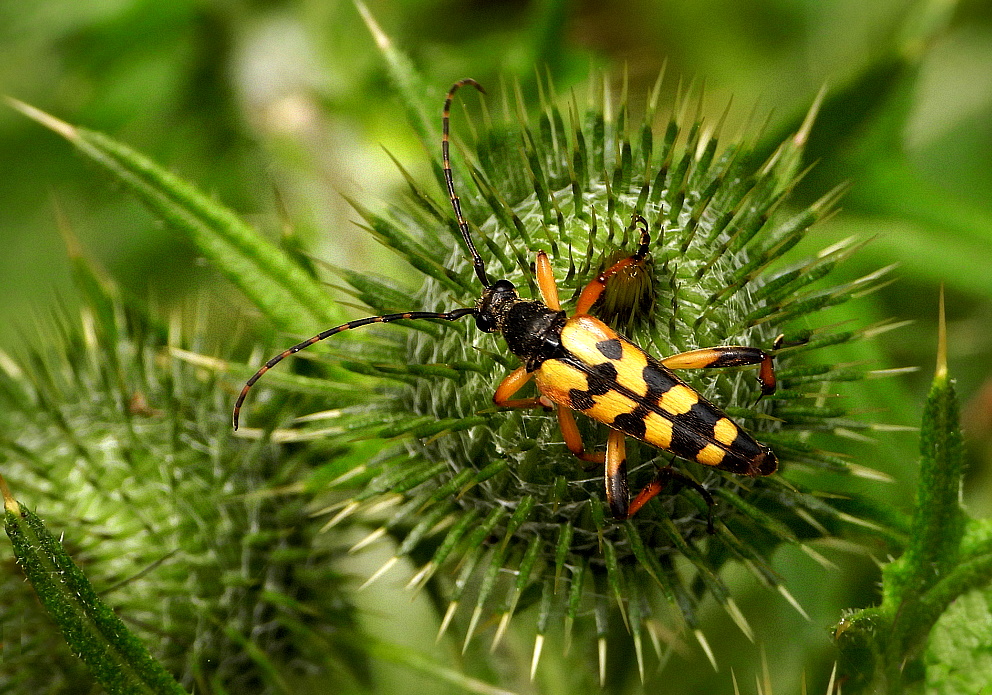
(513, 382)
(516, 380)
(546, 281)
(652, 489)
(728, 356)
(615, 477)
(573, 440)
(595, 288)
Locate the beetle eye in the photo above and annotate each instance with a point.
(484, 323)
(504, 287)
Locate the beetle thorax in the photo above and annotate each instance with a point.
(532, 331)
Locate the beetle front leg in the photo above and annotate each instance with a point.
(513, 382)
(546, 281)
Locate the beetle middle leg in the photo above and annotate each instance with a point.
(515, 381)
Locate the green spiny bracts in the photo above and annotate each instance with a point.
(117, 432)
(496, 494)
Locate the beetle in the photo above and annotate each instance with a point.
(578, 363)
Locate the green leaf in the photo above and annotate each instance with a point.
(938, 519)
(959, 659)
(117, 659)
(292, 299)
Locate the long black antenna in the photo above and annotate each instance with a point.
(358, 323)
(454, 315)
(480, 266)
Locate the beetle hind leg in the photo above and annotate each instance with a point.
(654, 488)
(729, 356)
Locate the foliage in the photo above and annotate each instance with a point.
(125, 450)
(884, 649)
(184, 84)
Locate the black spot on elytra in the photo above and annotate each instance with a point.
(703, 416)
(685, 442)
(631, 423)
(611, 349)
(658, 379)
(580, 400)
(602, 379)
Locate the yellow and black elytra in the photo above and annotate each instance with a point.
(580, 363)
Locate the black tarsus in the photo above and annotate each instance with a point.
(645, 240)
(669, 473)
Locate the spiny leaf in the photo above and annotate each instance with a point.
(407, 80)
(291, 299)
(94, 632)
(938, 519)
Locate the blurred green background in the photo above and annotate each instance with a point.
(276, 108)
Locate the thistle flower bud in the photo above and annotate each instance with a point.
(496, 494)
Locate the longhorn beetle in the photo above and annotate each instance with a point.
(580, 363)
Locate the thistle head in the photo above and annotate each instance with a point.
(495, 493)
